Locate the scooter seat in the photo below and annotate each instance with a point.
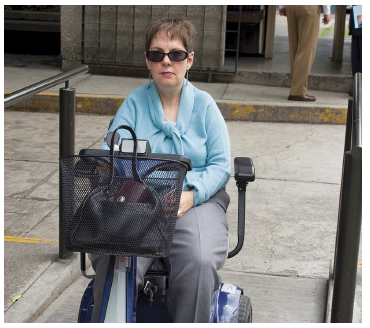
(157, 267)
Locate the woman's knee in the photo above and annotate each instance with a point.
(206, 261)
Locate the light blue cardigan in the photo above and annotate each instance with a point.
(199, 133)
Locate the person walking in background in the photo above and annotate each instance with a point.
(303, 32)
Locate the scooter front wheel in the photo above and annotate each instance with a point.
(245, 310)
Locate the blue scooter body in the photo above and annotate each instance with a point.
(224, 307)
(87, 304)
(225, 304)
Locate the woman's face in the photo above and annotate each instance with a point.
(168, 74)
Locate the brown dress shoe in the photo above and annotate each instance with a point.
(305, 97)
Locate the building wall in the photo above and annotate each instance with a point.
(70, 29)
(115, 35)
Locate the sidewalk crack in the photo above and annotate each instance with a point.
(273, 227)
(274, 274)
(227, 86)
(97, 140)
(29, 160)
(21, 218)
(26, 193)
(296, 142)
(25, 233)
(288, 146)
(301, 181)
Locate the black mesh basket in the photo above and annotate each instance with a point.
(120, 204)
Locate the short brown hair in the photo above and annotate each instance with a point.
(174, 28)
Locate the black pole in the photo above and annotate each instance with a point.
(67, 109)
(350, 213)
(348, 241)
(357, 111)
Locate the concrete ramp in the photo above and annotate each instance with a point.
(274, 299)
(277, 299)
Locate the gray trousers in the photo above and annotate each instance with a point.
(199, 249)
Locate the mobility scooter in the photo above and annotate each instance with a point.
(140, 192)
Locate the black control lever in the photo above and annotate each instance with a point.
(244, 173)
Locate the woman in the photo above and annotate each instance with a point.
(178, 118)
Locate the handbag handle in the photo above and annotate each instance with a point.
(133, 134)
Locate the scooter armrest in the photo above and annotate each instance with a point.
(244, 169)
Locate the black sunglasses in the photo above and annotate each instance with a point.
(174, 55)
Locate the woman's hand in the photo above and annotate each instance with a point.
(186, 202)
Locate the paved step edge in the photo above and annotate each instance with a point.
(239, 111)
(44, 291)
(282, 80)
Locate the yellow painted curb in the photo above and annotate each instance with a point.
(331, 115)
(85, 103)
(29, 240)
(109, 104)
(277, 113)
(239, 111)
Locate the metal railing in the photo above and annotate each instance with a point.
(67, 110)
(350, 212)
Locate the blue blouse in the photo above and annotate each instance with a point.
(200, 133)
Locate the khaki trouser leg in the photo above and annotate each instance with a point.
(303, 31)
(292, 35)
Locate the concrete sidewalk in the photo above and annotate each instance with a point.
(291, 216)
(292, 207)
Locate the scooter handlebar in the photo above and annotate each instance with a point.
(244, 169)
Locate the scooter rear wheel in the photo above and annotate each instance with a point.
(245, 310)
